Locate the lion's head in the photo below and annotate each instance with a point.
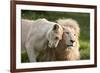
(71, 32)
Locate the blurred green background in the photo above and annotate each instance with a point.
(82, 18)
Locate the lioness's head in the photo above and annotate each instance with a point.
(54, 35)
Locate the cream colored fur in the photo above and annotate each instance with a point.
(71, 32)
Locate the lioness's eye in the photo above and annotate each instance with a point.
(56, 38)
(67, 32)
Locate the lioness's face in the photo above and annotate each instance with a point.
(55, 36)
(70, 37)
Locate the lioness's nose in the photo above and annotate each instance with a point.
(72, 41)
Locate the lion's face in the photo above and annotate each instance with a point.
(70, 37)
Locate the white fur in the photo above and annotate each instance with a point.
(37, 35)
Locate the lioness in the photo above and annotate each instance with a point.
(38, 34)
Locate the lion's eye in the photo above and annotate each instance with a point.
(74, 34)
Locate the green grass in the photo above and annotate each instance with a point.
(82, 18)
(24, 57)
(85, 49)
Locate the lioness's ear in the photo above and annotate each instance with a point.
(55, 27)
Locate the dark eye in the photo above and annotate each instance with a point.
(74, 34)
(56, 38)
(67, 32)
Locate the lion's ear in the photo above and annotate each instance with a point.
(55, 27)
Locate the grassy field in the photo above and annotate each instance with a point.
(82, 18)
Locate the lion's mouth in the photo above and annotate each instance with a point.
(69, 45)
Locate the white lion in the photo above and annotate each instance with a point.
(38, 34)
(71, 37)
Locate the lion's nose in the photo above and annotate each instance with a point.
(72, 41)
